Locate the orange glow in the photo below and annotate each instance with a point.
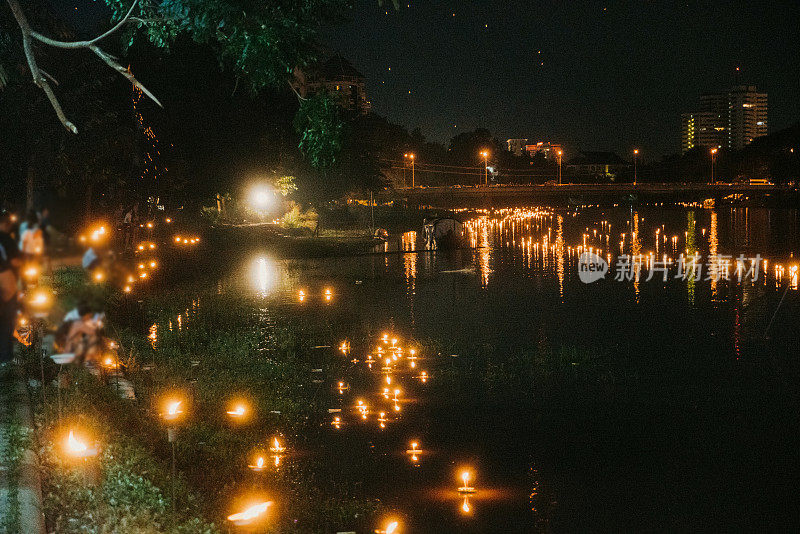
(76, 447)
(250, 514)
(173, 410)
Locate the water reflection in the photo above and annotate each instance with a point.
(534, 300)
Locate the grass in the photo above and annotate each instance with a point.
(222, 355)
(17, 440)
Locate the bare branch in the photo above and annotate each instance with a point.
(38, 78)
(299, 96)
(48, 76)
(109, 60)
(56, 106)
(84, 44)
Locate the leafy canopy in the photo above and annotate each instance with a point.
(262, 40)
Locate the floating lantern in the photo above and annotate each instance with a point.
(466, 488)
(276, 447)
(414, 452)
(259, 466)
(362, 409)
(382, 419)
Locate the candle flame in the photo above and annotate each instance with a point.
(75, 446)
(250, 514)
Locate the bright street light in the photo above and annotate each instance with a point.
(262, 198)
(485, 154)
(411, 156)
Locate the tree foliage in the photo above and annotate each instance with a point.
(321, 127)
(263, 40)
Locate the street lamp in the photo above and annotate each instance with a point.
(713, 159)
(559, 153)
(411, 156)
(485, 154)
(635, 154)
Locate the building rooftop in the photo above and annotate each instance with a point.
(337, 67)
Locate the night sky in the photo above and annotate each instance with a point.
(590, 75)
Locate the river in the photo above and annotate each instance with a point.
(657, 404)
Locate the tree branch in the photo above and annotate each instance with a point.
(38, 79)
(84, 44)
(122, 70)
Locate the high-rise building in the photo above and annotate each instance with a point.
(516, 146)
(747, 115)
(703, 129)
(725, 120)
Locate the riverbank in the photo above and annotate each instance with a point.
(209, 367)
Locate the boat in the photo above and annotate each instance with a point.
(443, 233)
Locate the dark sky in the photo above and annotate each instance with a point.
(589, 74)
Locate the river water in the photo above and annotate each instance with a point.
(672, 404)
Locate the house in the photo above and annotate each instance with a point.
(337, 76)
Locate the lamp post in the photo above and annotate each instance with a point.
(485, 154)
(635, 157)
(171, 415)
(713, 159)
(559, 153)
(411, 156)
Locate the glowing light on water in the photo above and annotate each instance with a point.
(263, 276)
(466, 476)
(465, 507)
(276, 446)
(259, 466)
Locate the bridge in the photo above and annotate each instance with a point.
(519, 195)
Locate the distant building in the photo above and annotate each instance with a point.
(547, 150)
(727, 120)
(516, 146)
(597, 164)
(338, 77)
(747, 115)
(703, 129)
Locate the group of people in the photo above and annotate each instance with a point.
(21, 247)
(23, 250)
(10, 264)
